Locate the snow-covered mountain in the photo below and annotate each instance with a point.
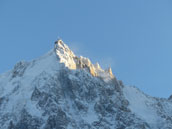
(62, 91)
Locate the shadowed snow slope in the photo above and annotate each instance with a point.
(62, 91)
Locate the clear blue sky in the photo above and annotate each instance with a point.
(132, 36)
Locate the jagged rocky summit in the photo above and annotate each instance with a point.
(71, 61)
(62, 91)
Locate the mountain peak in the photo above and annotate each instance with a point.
(109, 70)
(41, 94)
(65, 55)
(60, 45)
(71, 61)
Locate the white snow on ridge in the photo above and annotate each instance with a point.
(47, 63)
(141, 105)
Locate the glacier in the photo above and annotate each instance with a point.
(60, 90)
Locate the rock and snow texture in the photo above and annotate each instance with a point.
(71, 61)
(62, 91)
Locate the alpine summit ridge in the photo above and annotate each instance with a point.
(60, 90)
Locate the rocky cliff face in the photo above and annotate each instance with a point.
(62, 91)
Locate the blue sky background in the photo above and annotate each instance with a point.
(134, 37)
